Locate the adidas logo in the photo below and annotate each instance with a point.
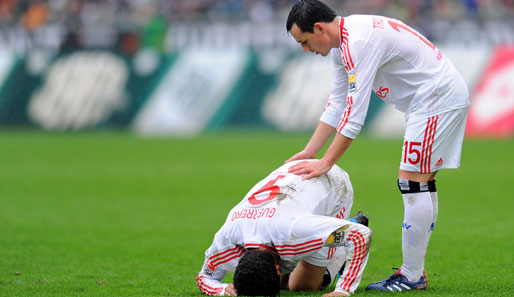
(439, 162)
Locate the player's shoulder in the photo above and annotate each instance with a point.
(365, 19)
(336, 167)
(361, 26)
(337, 172)
(359, 21)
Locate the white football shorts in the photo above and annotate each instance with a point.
(433, 143)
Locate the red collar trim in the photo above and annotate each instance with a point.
(341, 29)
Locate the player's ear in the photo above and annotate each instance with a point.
(319, 28)
(277, 267)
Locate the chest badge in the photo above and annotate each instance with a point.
(352, 83)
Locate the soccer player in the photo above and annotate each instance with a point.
(380, 54)
(289, 232)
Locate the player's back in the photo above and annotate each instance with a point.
(292, 194)
(270, 209)
(411, 72)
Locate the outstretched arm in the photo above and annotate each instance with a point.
(317, 141)
(316, 168)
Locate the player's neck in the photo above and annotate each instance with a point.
(333, 32)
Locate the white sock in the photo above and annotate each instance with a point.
(435, 207)
(418, 217)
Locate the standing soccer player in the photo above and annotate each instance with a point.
(380, 54)
(289, 232)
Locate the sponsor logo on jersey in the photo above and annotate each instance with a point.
(439, 162)
(352, 83)
(382, 92)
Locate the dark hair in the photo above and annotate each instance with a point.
(306, 13)
(256, 275)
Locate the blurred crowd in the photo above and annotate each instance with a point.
(133, 24)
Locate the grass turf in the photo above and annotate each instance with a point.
(110, 214)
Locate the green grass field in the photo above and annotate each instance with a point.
(110, 214)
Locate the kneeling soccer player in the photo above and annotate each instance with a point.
(289, 233)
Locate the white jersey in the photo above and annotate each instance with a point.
(285, 213)
(401, 66)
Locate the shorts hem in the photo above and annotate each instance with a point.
(416, 170)
(316, 263)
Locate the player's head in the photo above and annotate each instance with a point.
(306, 13)
(256, 274)
(307, 23)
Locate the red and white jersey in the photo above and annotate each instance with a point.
(284, 212)
(401, 66)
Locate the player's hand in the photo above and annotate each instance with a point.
(335, 294)
(301, 156)
(230, 290)
(310, 169)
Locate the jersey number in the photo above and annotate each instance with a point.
(411, 150)
(397, 26)
(271, 187)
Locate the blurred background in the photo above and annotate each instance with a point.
(185, 67)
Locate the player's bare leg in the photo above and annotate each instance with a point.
(306, 277)
(416, 176)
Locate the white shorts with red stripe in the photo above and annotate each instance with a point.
(433, 143)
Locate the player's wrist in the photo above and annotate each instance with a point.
(327, 161)
(309, 153)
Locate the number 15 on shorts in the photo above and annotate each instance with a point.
(411, 152)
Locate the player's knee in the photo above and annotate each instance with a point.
(366, 233)
(408, 186)
(306, 277)
(364, 230)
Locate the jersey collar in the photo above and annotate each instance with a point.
(341, 30)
